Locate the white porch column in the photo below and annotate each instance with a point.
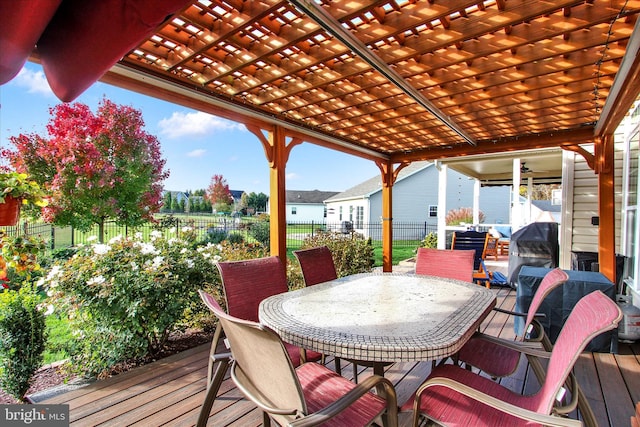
(516, 214)
(476, 201)
(529, 216)
(442, 205)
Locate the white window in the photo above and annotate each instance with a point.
(340, 213)
(294, 210)
(433, 211)
(631, 229)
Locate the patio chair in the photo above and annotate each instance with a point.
(492, 247)
(486, 353)
(317, 266)
(496, 356)
(308, 395)
(246, 283)
(476, 241)
(456, 264)
(453, 395)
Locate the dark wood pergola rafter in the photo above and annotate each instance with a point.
(393, 81)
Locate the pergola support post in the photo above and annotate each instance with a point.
(389, 176)
(604, 158)
(277, 152)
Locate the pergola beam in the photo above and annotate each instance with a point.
(543, 140)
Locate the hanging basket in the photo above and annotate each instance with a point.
(10, 211)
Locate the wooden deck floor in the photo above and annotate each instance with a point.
(170, 391)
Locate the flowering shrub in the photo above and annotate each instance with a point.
(127, 296)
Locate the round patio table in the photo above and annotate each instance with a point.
(380, 317)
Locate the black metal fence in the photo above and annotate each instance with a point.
(405, 234)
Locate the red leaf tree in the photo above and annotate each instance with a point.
(94, 166)
(218, 193)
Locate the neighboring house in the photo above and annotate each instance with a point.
(178, 196)
(307, 205)
(415, 199)
(237, 196)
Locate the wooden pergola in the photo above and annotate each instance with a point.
(392, 81)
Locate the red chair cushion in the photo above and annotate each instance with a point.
(321, 387)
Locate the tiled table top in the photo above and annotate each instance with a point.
(380, 317)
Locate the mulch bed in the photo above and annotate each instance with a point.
(55, 375)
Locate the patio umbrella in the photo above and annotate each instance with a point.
(80, 41)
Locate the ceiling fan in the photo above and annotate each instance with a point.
(523, 168)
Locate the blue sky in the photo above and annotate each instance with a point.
(195, 145)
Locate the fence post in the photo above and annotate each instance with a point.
(73, 235)
(312, 228)
(53, 237)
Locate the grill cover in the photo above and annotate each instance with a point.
(535, 245)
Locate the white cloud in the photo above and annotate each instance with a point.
(292, 176)
(196, 153)
(194, 124)
(33, 81)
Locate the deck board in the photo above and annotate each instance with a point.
(170, 391)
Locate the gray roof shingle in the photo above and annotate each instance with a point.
(374, 184)
(313, 196)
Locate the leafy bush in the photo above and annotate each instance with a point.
(126, 297)
(352, 254)
(261, 231)
(462, 215)
(235, 238)
(215, 235)
(22, 339)
(430, 240)
(295, 280)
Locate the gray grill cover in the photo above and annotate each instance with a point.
(535, 245)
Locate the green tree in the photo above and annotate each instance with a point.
(175, 205)
(257, 201)
(244, 203)
(192, 204)
(95, 167)
(166, 202)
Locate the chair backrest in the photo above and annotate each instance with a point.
(261, 367)
(456, 264)
(550, 281)
(317, 265)
(594, 314)
(476, 240)
(246, 283)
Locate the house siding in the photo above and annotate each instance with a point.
(412, 197)
(584, 203)
(305, 212)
